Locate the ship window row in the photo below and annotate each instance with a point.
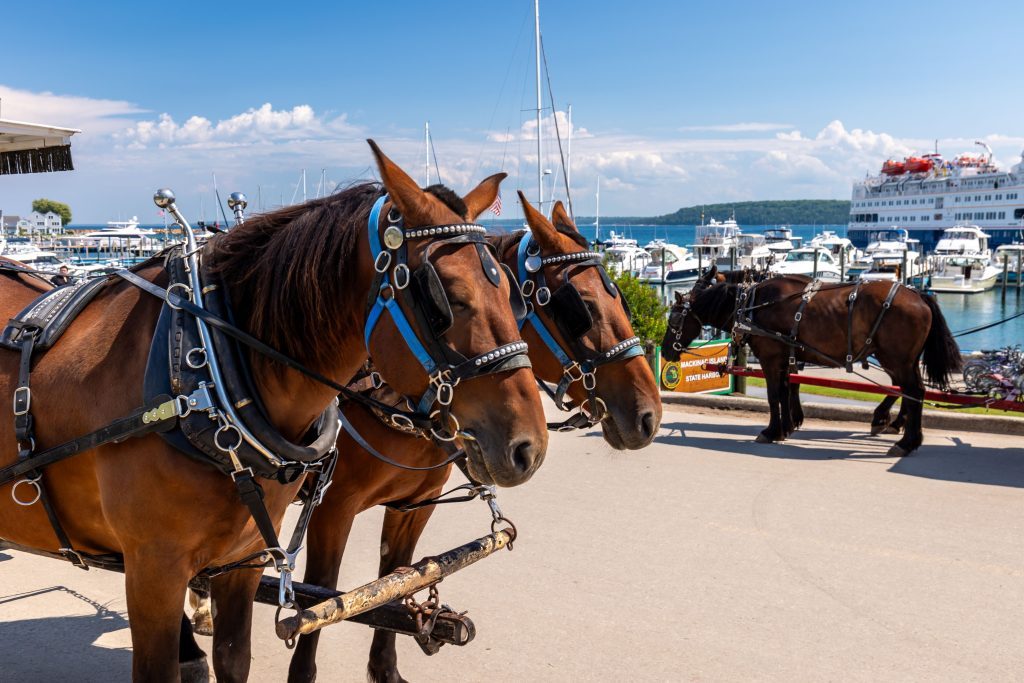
(981, 216)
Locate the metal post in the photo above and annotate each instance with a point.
(1019, 254)
(903, 268)
(732, 258)
(842, 265)
(739, 381)
(816, 264)
(1006, 271)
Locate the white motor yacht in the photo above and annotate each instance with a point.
(962, 261)
(1010, 257)
(624, 255)
(669, 264)
(814, 262)
(842, 249)
(780, 241)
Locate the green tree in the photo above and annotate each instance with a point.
(648, 314)
(59, 208)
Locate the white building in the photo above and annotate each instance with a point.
(47, 223)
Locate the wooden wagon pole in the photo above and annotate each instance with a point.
(398, 584)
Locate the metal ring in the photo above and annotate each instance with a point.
(33, 482)
(445, 393)
(167, 295)
(376, 380)
(455, 432)
(532, 249)
(189, 361)
(382, 262)
(402, 421)
(543, 296)
(401, 276)
(592, 416)
(589, 381)
(527, 288)
(677, 346)
(224, 429)
(393, 211)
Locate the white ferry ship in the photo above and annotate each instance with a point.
(928, 194)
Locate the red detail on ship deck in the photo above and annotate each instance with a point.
(929, 394)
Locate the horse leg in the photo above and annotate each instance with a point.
(399, 534)
(233, 593)
(154, 589)
(795, 409)
(900, 422)
(324, 552)
(880, 418)
(191, 658)
(785, 407)
(912, 404)
(773, 432)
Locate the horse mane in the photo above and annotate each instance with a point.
(716, 304)
(287, 270)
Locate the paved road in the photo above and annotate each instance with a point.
(704, 557)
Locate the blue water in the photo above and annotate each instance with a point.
(962, 311)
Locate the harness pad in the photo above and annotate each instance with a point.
(51, 313)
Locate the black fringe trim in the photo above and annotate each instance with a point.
(41, 160)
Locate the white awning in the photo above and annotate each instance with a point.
(34, 148)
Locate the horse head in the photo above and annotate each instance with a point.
(465, 301)
(588, 318)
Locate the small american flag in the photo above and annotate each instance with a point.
(496, 206)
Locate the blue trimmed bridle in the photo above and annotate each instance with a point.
(579, 364)
(424, 297)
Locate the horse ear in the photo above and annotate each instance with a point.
(404, 191)
(482, 197)
(543, 231)
(560, 217)
(679, 297)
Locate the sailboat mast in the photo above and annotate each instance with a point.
(540, 162)
(426, 146)
(568, 161)
(303, 186)
(597, 213)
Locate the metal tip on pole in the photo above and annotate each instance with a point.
(163, 198)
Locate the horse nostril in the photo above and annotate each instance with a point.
(648, 424)
(523, 455)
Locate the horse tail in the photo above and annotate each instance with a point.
(941, 354)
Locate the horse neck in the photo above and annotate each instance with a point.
(294, 401)
(718, 309)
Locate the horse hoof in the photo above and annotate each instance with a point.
(878, 429)
(891, 429)
(196, 671)
(897, 451)
(761, 438)
(202, 623)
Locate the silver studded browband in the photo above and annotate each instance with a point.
(565, 258)
(501, 352)
(455, 229)
(622, 346)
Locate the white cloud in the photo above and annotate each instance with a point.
(90, 115)
(261, 125)
(529, 128)
(749, 127)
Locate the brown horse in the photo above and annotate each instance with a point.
(300, 278)
(786, 321)
(626, 387)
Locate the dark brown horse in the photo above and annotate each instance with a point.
(626, 387)
(300, 279)
(895, 324)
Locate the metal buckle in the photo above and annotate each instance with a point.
(26, 392)
(543, 296)
(799, 316)
(382, 262)
(402, 421)
(401, 276)
(527, 288)
(569, 370)
(376, 380)
(589, 381)
(73, 557)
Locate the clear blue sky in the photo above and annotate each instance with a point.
(660, 88)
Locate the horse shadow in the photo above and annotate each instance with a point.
(55, 648)
(944, 459)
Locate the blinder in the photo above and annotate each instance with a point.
(570, 311)
(430, 294)
(515, 296)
